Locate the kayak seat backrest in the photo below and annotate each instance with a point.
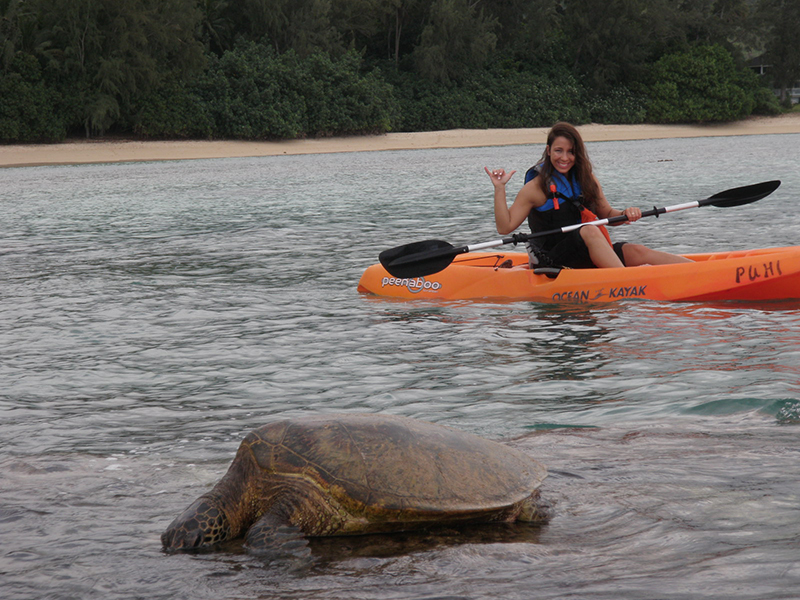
(551, 272)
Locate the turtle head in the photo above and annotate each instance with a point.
(200, 526)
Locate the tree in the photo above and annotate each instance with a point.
(9, 30)
(526, 29)
(19, 31)
(104, 52)
(459, 38)
(727, 23)
(609, 41)
(357, 21)
(300, 25)
(401, 22)
(782, 18)
(216, 26)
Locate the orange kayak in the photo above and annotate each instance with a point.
(763, 274)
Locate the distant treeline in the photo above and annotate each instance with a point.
(269, 69)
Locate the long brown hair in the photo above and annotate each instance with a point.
(582, 169)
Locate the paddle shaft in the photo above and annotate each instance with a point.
(609, 221)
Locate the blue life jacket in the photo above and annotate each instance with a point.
(555, 214)
(568, 195)
(566, 189)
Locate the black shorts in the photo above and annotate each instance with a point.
(571, 251)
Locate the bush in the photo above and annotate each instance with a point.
(765, 101)
(619, 106)
(171, 110)
(246, 94)
(339, 99)
(29, 109)
(497, 98)
(697, 86)
(254, 93)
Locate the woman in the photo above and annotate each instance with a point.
(564, 191)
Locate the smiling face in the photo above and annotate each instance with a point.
(562, 154)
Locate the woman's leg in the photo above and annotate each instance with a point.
(636, 254)
(602, 254)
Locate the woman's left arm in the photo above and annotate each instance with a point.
(604, 210)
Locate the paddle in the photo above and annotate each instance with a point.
(419, 259)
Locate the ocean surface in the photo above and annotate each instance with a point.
(151, 314)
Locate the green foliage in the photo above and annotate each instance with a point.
(619, 106)
(254, 93)
(256, 69)
(457, 40)
(782, 25)
(766, 103)
(29, 109)
(249, 95)
(728, 23)
(496, 98)
(608, 42)
(108, 51)
(171, 110)
(216, 25)
(698, 86)
(527, 28)
(304, 26)
(339, 99)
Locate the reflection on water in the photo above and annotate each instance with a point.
(152, 314)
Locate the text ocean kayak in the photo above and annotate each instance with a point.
(763, 274)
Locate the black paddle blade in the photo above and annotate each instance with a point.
(742, 195)
(419, 258)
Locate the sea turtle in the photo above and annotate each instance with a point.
(354, 474)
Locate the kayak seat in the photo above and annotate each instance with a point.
(551, 272)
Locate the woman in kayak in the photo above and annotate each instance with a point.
(561, 191)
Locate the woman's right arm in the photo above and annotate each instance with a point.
(508, 219)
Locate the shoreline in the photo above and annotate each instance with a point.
(75, 152)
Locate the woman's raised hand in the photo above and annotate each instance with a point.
(498, 176)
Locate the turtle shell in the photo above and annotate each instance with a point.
(381, 464)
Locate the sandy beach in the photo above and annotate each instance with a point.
(107, 151)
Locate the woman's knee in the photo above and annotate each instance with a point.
(591, 233)
(635, 254)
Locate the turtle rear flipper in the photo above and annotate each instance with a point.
(271, 535)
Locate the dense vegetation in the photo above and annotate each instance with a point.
(260, 69)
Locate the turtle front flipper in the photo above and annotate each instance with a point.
(273, 535)
(201, 525)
